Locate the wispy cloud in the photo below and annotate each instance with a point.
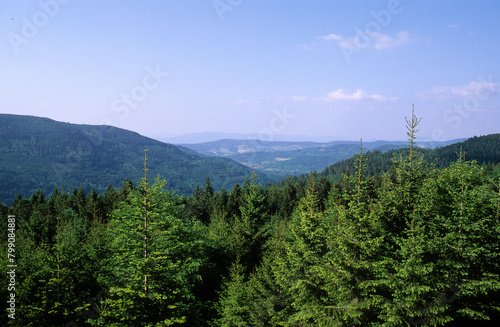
(454, 26)
(331, 37)
(358, 95)
(308, 46)
(343, 95)
(373, 40)
(248, 103)
(336, 95)
(474, 88)
(299, 98)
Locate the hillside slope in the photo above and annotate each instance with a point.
(40, 153)
(483, 149)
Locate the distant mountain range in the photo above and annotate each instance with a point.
(40, 153)
(295, 157)
(203, 137)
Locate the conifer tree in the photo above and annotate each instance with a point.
(410, 272)
(247, 239)
(154, 263)
(301, 271)
(354, 249)
(55, 276)
(234, 302)
(235, 201)
(252, 224)
(268, 302)
(460, 216)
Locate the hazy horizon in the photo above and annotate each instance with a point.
(203, 137)
(210, 136)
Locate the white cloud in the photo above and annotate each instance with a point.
(373, 40)
(331, 37)
(342, 95)
(383, 41)
(454, 26)
(474, 88)
(359, 95)
(336, 95)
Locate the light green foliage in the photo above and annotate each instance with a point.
(153, 267)
(246, 237)
(422, 250)
(302, 269)
(415, 246)
(234, 302)
(460, 215)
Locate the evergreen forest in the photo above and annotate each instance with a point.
(382, 239)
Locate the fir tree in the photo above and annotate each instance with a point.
(155, 260)
(300, 272)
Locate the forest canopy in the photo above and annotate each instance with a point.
(417, 244)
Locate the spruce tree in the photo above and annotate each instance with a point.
(408, 282)
(234, 303)
(354, 251)
(247, 240)
(301, 271)
(460, 216)
(154, 263)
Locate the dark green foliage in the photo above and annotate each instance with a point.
(413, 244)
(59, 248)
(483, 149)
(39, 153)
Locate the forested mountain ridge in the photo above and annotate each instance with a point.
(40, 153)
(484, 149)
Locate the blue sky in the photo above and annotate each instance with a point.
(316, 70)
